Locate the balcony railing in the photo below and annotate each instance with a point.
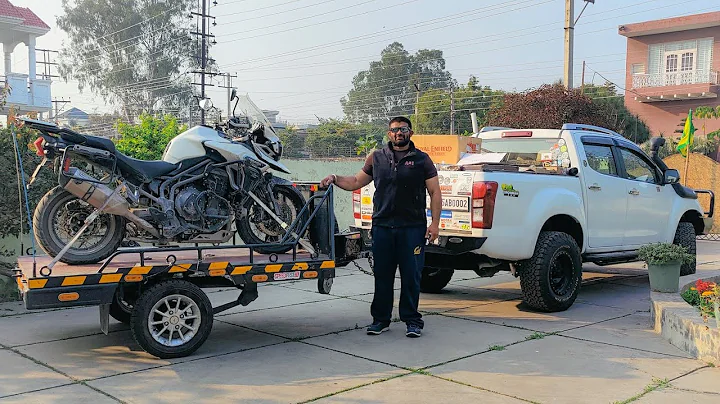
(674, 79)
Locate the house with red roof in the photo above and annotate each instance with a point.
(27, 92)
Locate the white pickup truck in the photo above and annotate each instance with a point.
(540, 202)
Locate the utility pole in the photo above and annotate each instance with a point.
(417, 105)
(582, 80)
(57, 102)
(203, 14)
(569, 37)
(452, 110)
(229, 86)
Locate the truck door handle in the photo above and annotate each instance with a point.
(634, 192)
(595, 187)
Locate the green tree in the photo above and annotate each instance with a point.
(387, 88)
(621, 119)
(336, 138)
(434, 108)
(133, 53)
(293, 144)
(147, 140)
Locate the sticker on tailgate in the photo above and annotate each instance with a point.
(456, 203)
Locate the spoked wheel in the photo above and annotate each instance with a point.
(258, 227)
(172, 319)
(60, 215)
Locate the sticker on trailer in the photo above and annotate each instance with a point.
(282, 276)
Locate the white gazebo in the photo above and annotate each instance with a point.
(27, 93)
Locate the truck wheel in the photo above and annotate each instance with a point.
(550, 280)
(685, 236)
(434, 280)
(172, 319)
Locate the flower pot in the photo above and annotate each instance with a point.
(665, 277)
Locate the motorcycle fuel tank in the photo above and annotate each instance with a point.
(189, 144)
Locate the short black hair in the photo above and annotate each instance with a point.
(400, 119)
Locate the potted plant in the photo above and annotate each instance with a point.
(664, 261)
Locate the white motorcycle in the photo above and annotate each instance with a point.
(211, 183)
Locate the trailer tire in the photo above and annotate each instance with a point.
(434, 280)
(685, 236)
(120, 311)
(550, 280)
(195, 318)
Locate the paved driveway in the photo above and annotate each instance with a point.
(296, 345)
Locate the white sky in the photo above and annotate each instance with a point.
(508, 44)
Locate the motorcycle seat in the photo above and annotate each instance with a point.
(147, 170)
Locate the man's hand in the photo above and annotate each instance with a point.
(432, 232)
(330, 179)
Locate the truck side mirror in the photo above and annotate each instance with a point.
(671, 176)
(573, 172)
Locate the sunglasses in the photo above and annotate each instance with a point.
(403, 129)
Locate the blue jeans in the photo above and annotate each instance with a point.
(393, 247)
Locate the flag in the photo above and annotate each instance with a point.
(686, 140)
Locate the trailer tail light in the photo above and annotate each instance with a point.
(483, 204)
(39, 147)
(356, 203)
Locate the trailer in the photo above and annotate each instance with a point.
(158, 291)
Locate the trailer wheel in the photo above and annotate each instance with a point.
(324, 284)
(172, 319)
(550, 280)
(120, 309)
(434, 280)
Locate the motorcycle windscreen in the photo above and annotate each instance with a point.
(248, 108)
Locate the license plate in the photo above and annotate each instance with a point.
(281, 276)
(456, 203)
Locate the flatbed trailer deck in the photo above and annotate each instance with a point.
(158, 290)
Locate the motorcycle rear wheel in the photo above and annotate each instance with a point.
(57, 218)
(273, 232)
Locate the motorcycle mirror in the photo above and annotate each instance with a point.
(206, 104)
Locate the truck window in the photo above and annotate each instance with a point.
(543, 152)
(600, 159)
(636, 168)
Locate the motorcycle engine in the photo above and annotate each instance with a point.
(202, 205)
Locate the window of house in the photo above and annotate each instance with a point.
(638, 68)
(682, 56)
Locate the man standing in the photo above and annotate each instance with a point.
(401, 174)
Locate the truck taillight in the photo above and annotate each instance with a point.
(483, 204)
(356, 203)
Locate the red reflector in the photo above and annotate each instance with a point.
(39, 147)
(518, 133)
(66, 164)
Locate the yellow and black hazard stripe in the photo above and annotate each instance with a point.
(258, 272)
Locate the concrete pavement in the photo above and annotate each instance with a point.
(295, 345)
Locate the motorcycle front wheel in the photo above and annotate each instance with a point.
(258, 227)
(58, 217)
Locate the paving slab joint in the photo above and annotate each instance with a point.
(682, 325)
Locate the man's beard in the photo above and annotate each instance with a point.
(401, 143)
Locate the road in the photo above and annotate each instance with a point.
(295, 345)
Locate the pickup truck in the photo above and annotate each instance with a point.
(541, 202)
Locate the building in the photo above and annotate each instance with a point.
(672, 67)
(27, 93)
(73, 118)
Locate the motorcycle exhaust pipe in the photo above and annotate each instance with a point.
(97, 194)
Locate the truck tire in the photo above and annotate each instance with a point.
(685, 236)
(550, 280)
(177, 308)
(434, 280)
